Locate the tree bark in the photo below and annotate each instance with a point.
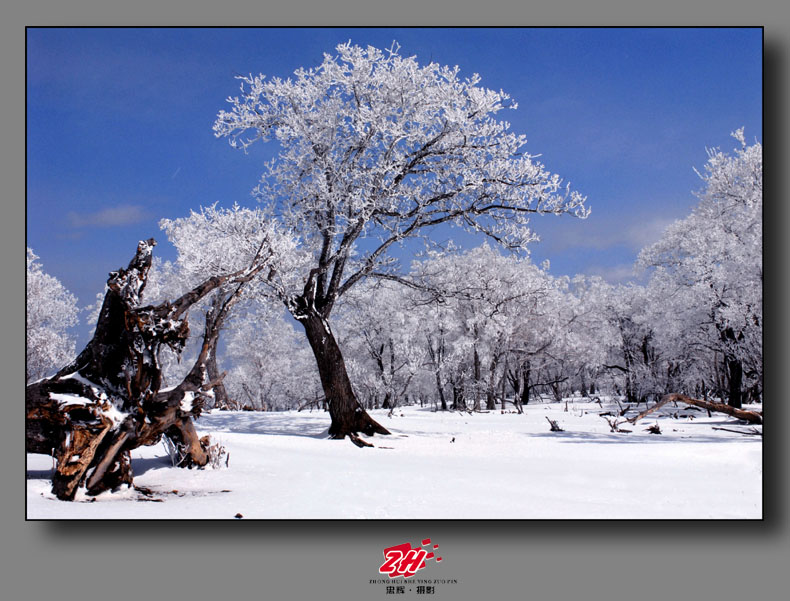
(436, 355)
(348, 415)
(556, 390)
(630, 384)
(732, 366)
(215, 319)
(477, 378)
(440, 388)
(503, 385)
(491, 389)
(459, 402)
(526, 388)
(735, 383)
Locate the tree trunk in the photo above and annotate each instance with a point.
(630, 385)
(477, 378)
(390, 384)
(556, 391)
(221, 305)
(491, 389)
(440, 388)
(378, 356)
(735, 383)
(221, 399)
(503, 384)
(436, 355)
(525, 390)
(459, 402)
(348, 415)
(733, 367)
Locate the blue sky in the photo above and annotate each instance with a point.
(119, 126)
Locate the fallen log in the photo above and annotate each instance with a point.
(748, 416)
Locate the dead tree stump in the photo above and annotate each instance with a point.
(108, 401)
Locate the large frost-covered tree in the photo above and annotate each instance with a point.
(376, 149)
(712, 262)
(51, 311)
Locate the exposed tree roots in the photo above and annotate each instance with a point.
(93, 412)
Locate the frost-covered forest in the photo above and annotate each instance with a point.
(341, 295)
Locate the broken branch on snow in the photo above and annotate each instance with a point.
(749, 416)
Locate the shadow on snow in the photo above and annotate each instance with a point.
(269, 423)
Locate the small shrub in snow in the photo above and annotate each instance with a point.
(217, 454)
(178, 453)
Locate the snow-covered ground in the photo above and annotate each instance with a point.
(444, 465)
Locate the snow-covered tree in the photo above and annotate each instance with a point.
(215, 242)
(218, 241)
(376, 149)
(381, 333)
(485, 294)
(446, 352)
(627, 349)
(711, 263)
(270, 366)
(585, 334)
(51, 311)
(494, 323)
(554, 344)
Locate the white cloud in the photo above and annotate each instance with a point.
(634, 233)
(614, 274)
(640, 234)
(108, 217)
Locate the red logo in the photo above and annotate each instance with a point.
(403, 560)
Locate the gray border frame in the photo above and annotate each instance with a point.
(305, 560)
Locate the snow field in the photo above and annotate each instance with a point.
(499, 466)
